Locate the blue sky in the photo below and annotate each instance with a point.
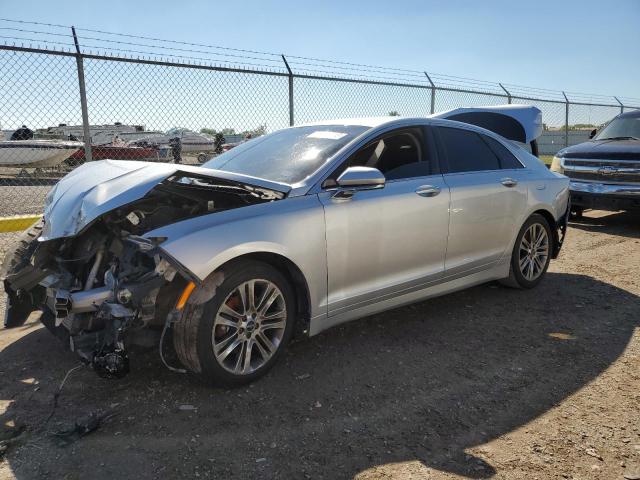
(582, 46)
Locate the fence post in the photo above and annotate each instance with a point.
(290, 90)
(566, 120)
(83, 100)
(621, 105)
(433, 94)
(507, 92)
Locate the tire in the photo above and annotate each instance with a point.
(20, 304)
(576, 212)
(203, 326)
(521, 277)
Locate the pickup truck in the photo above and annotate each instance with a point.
(605, 171)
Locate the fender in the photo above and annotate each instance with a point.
(292, 228)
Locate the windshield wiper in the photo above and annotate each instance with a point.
(619, 138)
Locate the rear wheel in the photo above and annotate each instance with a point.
(531, 253)
(238, 335)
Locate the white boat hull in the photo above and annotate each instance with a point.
(36, 153)
(192, 143)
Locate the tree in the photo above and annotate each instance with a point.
(208, 131)
(256, 132)
(394, 113)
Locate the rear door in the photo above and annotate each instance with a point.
(488, 195)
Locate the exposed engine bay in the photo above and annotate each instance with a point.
(100, 288)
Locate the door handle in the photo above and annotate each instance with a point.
(427, 190)
(509, 182)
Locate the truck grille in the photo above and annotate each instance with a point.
(605, 171)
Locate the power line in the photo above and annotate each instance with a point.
(331, 67)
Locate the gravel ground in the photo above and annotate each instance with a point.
(489, 382)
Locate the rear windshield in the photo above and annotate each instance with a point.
(289, 155)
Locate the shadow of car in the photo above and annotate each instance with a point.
(424, 382)
(625, 224)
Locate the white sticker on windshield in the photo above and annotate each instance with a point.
(326, 134)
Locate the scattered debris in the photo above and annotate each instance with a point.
(59, 391)
(592, 453)
(8, 436)
(562, 336)
(83, 426)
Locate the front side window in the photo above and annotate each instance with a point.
(397, 155)
(289, 155)
(466, 151)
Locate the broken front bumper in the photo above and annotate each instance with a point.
(99, 323)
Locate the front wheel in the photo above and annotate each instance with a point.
(238, 335)
(531, 253)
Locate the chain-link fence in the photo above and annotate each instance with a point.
(68, 98)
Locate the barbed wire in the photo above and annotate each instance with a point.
(192, 52)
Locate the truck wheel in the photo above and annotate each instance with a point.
(576, 212)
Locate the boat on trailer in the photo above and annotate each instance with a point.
(190, 141)
(36, 153)
(122, 152)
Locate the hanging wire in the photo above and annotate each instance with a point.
(103, 40)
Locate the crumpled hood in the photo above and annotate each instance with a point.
(96, 188)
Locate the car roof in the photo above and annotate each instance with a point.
(631, 114)
(360, 121)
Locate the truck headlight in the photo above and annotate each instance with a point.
(556, 165)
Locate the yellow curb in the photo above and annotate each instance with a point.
(17, 223)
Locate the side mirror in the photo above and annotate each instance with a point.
(593, 133)
(363, 178)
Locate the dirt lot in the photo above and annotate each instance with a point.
(489, 382)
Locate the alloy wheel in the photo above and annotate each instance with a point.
(534, 251)
(249, 326)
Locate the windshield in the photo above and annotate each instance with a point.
(289, 155)
(621, 127)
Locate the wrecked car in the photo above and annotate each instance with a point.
(289, 233)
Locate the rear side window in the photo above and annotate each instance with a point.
(507, 159)
(466, 151)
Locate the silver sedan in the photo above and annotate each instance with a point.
(289, 233)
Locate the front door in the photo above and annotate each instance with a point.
(392, 240)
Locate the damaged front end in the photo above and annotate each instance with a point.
(107, 286)
(100, 290)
